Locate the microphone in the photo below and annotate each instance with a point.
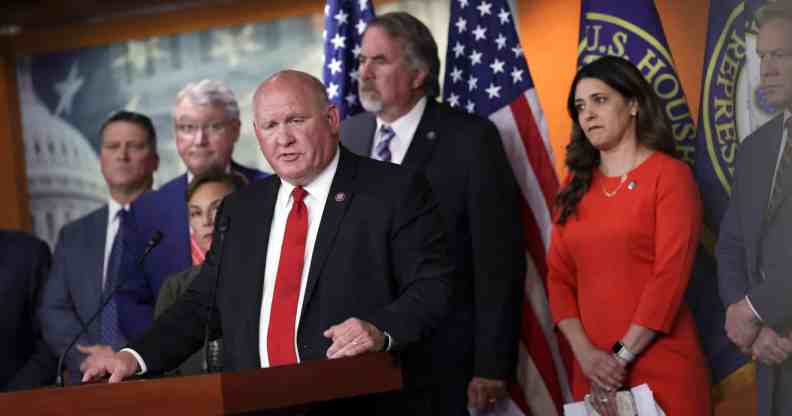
(153, 242)
(222, 226)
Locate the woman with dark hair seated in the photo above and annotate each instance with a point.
(623, 244)
(204, 195)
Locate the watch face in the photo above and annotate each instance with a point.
(617, 347)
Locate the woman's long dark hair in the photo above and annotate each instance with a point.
(653, 128)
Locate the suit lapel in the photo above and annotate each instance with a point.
(91, 281)
(338, 201)
(424, 140)
(762, 172)
(255, 241)
(360, 136)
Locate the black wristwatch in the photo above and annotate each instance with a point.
(621, 351)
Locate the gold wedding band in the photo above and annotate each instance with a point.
(604, 399)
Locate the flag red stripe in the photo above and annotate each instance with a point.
(533, 243)
(532, 335)
(519, 400)
(538, 157)
(539, 349)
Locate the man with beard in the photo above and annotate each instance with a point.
(474, 354)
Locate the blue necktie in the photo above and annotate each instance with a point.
(111, 332)
(383, 152)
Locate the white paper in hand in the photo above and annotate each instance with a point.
(644, 402)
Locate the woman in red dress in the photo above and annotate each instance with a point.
(623, 245)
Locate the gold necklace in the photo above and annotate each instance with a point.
(610, 194)
(622, 179)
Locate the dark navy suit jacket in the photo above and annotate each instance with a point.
(25, 360)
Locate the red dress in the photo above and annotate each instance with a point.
(627, 259)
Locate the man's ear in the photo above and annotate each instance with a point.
(419, 78)
(333, 117)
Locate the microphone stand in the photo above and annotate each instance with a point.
(153, 242)
(222, 226)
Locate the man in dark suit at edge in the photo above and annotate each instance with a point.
(754, 249)
(372, 275)
(474, 354)
(25, 359)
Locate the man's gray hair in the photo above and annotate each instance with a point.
(420, 48)
(210, 92)
(781, 9)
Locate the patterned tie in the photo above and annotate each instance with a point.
(783, 175)
(280, 336)
(383, 152)
(111, 332)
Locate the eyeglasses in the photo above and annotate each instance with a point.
(191, 129)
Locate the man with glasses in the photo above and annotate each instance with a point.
(206, 126)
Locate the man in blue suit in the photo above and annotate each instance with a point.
(81, 272)
(206, 126)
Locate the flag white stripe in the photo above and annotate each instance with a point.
(523, 171)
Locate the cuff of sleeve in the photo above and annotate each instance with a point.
(750, 305)
(141, 363)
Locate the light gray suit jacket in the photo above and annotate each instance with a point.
(754, 254)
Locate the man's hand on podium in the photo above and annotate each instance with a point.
(102, 362)
(353, 337)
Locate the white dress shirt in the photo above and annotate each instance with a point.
(318, 191)
(191, 176)
(404, 127)
(112, 230)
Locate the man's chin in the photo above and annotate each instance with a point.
(372, 106)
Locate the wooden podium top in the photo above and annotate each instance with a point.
(217, 394)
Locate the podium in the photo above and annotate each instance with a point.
(217, 394)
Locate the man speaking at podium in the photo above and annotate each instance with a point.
(372, 275)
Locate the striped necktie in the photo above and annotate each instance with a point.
(382, 151)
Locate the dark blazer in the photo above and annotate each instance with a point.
(166, 210)
(174, 287)
(380, 255)
(25, 359)
(754, 251)
(73, 292)
(463, 158)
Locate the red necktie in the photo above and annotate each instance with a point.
(280, 337)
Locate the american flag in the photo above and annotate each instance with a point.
(345, 22)
(487, 74)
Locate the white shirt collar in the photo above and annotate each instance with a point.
(319, 188)
(190, 175)
(405, 126)
(113, 207)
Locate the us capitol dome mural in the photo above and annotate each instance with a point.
(64, 179)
